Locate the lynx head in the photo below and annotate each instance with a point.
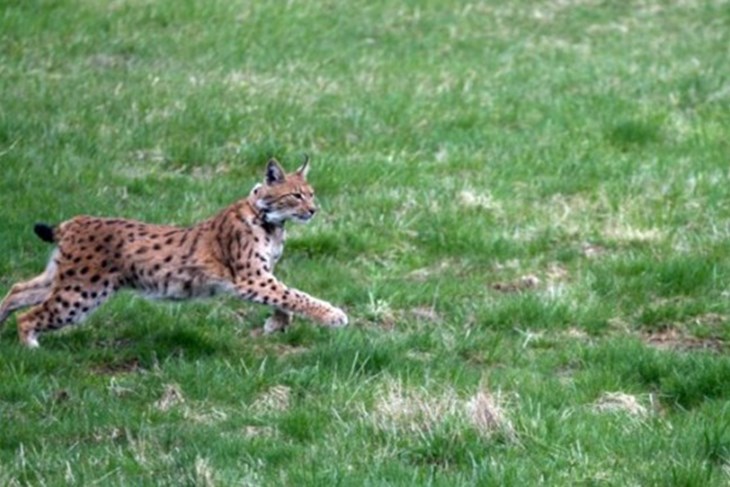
(283, 197)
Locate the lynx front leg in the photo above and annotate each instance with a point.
(268, 290)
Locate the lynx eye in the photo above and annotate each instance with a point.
(298, 196)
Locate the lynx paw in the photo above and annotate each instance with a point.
(29, 339)
(335, 318)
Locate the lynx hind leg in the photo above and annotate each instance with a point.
(62, 307)
(21, 296)
(29, 293)
(278, 321)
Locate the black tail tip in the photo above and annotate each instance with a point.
(44, 232)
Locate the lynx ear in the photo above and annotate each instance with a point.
(274, 172)
(304, 169)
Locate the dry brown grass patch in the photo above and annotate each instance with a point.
(402, 410)
(620, 402)
(487, 414)
(276, 398)
(171, 397)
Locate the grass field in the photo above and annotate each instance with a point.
(525, 213)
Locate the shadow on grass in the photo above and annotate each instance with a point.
(132, 350)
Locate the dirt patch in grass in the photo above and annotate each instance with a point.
(381, 316)
(592, 251)
(525, 283)
(103, 61)
(550, 278)
(259, 432)
(709, 319)
(115, 343)
(441, 268)
(428, 314)
(264, 347)
(284, 350)
(127, 366)
(480, 200)
(674, 339)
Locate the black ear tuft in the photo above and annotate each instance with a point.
(304, 169)
(274, 172)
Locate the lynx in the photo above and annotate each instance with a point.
(233, 252)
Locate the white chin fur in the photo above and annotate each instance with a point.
(275, 217)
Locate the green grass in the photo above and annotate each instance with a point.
(525, 201)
